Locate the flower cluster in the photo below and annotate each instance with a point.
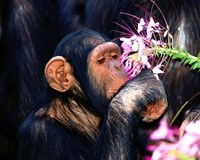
(142, 49)
(170, 146)
(137, 49)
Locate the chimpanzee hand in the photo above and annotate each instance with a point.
(192, 115)
(143, 95)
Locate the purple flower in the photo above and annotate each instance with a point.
(141, 25)
(193, 128)
(170, 147)
(156, 70)
(163, 152)
(138, 50)
(163, 131)
(145, 62)
(126, 45)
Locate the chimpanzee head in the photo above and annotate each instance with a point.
(88, 62)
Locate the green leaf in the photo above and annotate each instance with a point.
(192, 61)
(186, 61)
(198, 56)
(177, 56)
(196, 65)
(183, 56)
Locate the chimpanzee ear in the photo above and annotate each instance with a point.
(58, 73)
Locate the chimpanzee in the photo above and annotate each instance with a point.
(90, 110)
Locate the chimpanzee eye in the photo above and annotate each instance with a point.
(101, 60)
(114, 55)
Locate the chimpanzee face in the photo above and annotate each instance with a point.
(106, 73)
(91, 64)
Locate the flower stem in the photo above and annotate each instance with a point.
(179, 111)
(182, 107)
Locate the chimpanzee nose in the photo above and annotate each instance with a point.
(118, 67)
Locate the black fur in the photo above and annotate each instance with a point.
(42, 137)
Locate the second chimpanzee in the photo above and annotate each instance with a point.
(91, 111)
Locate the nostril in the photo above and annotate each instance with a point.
(118, 67)
(115, 65)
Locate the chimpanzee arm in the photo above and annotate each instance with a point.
(42, 138)
(126, 109)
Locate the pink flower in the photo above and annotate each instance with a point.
(138, 43)
(165, 33)
(145, 62)
(152, 27)
(126, 45)
(156, 42)
(187, 147)
(141, 44)
(135, 46)
(156, 70)
(163, 131)
(141, 25)
(162, 152)
(193, 127)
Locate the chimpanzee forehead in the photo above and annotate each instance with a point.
(102, 49)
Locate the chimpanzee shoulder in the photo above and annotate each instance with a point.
(45, 138)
